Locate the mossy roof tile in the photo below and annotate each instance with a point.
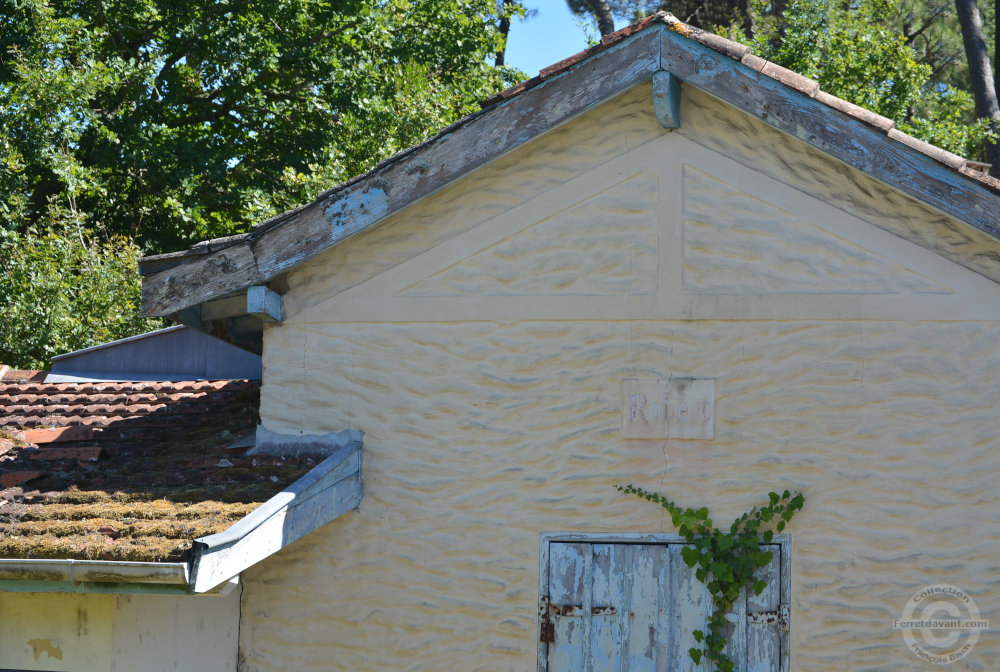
(150, 461)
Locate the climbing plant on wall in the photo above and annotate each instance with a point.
(726, 560)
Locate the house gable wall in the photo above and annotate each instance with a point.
(481, 338)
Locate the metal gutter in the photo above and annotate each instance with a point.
(103, 571)
(329, 490)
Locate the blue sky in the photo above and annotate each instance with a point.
(549, 36)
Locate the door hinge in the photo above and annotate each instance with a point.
(781, 617)
(547, 629)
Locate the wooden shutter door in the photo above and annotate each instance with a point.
(628, 607)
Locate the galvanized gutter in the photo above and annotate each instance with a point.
(89, 576)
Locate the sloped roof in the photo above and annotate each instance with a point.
(128, 471)
(729, 71)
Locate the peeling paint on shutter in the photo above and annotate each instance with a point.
(633, 607)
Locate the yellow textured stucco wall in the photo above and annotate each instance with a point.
(67, 632)
(480, 340)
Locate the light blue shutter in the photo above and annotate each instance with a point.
(625, 607)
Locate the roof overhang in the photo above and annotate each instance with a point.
(177, 284)
(330, 489)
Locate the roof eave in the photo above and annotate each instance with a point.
(329, 490)
(724, 69)
(398, 182)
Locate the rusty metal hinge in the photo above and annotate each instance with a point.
(547, 630)
(547, 635)
(781, 617)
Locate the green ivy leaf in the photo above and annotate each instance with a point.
(690, 556)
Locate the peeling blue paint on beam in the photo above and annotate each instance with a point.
(465, 147)
(356, 211)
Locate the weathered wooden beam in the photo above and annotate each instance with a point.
(202, 278)
(261, 302)
(357, 205)
(221, 309)
(191, 316)
(791, 108)
(667, 99)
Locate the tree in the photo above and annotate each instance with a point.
(855, 54)
(63, 290)
(599, 9)
(983, 86)
(172, 122)
(705, 14)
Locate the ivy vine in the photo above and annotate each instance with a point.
(726, 561)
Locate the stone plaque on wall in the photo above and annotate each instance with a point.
(675, 408)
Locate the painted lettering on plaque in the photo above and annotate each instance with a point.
(673, 408)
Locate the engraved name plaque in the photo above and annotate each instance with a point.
(677, 408)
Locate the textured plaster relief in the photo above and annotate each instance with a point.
(604, 245)
(739, 243)
(729, 131)
(618, 126)
(883, 276)
(889, 427)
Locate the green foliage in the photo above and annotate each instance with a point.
(854, 54)
(726, 560)
(932, 30)
(64, 290)
(172, 122)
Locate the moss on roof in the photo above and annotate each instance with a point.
(165, 472)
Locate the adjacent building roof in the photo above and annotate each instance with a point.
(129, 471)
(186, 285)
(174, 353)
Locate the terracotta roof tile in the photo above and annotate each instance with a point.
(150, 461)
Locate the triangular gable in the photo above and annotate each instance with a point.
(659, 44)
(669, 230)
